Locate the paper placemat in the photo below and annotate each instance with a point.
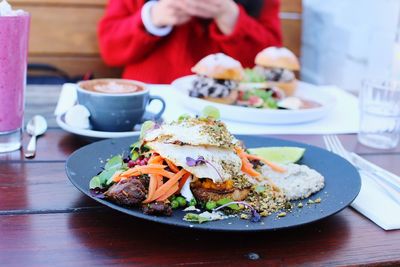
(343, 119)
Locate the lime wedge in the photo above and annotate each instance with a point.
(282, 155)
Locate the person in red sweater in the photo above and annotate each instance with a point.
(159, 41)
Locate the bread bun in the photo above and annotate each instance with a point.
(288, 87)
(275, 57)
(229, 100)
(219, 66)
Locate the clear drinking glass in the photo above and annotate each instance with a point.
(14, 35)
(380, 114)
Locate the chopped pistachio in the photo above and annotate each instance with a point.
(300, 205)
(310, 201)
(318, 200)
(264, 213)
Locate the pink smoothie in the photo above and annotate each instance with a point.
(14, 35)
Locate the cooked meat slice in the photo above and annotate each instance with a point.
(144, 179)
(128, 192)
(157, 208)
(204, 195)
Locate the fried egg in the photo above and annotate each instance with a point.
(192, 132)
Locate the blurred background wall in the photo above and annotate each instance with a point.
(345, 41)
(340, 42)
(63, 33)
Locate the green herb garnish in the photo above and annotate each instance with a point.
(193, 217)
(103, 179)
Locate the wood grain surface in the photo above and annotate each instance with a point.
(45, 221)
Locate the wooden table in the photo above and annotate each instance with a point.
(45, 221)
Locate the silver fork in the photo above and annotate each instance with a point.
(334, 145)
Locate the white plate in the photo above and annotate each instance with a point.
(92, 134)
(261, 116)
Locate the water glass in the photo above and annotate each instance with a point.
(380, 114)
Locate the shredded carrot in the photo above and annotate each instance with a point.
(183, 180)
(165, 187)
(164, 173)
(172, 166)
(248, 168)
(152, 166)
(133, 172)
(136, 169)
(152, 188)
(155, 159)
(160, 181)
(272, 165)
(116, 176)
(174, 188)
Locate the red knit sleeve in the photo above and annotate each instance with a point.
(251, 35)
(121, 33)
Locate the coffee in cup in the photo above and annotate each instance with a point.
(116, 105)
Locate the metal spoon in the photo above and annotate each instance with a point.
(35, 127)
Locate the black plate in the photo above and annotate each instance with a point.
(342, 185)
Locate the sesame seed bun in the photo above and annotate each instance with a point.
(275, 57)
(219, 66)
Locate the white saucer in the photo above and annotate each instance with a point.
(88, 133)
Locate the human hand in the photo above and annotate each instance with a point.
(169, 13)
(224, 12)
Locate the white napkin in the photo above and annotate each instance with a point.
(333, 123)
(67, 99)
(374, 203)
(76, 115)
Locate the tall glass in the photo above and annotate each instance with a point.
(14, 35)
(380, 114)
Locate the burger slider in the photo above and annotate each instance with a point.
(217, 80)
(277, 66)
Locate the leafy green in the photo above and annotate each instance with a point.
(95, 182)
(262, 93)
(138, 149)
(251, 76)
(271, 103)
(266, 96)
(134, 154)
(193, 217)
(103, 179)
(114, 163)
(135, 149)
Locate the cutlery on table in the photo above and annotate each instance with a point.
(388, 181)
(35, 127)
